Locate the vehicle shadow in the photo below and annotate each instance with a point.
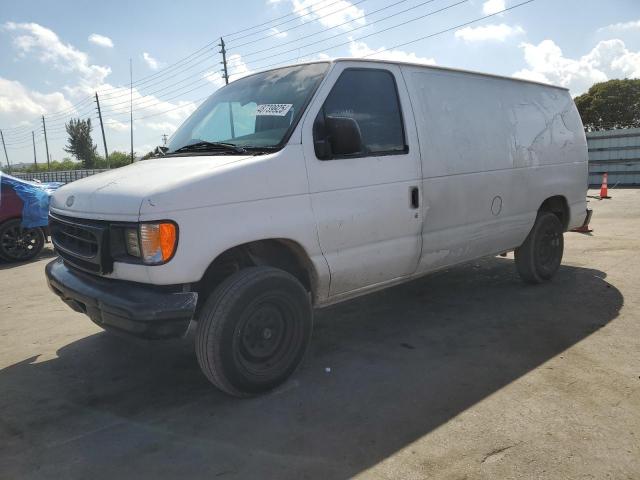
(47, 252)
(402, 362)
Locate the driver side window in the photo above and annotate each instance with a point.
(364, 103)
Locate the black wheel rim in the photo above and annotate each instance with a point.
(266, 337)
(19, 243)
(549, 248)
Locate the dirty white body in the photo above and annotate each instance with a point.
(484, 151)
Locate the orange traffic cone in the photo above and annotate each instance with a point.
(585, 226)
(603, 189)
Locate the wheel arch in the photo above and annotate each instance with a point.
(559, 206)
(282, 253)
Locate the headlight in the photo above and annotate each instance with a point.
(154, 243)
(131, 241)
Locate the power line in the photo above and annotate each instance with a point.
(23, 140)
(204, 50)
(199, 52)
(180, 63)
(311, 12)
(197, 75)
(144, 80)
(452, 28)
(51, 115)
(359, 38)
(244, 55)
(107, 122)
(355, 28)
(147, 106)
(279, 18)
(120, 90)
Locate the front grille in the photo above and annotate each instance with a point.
(76, 239)
(81, 243)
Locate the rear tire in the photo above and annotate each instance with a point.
(539, 257)
(253, 331)
(18, 244)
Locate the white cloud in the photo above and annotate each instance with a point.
(101, 40)
(361, 49)
(492, 6)
(333, 14)
(162, 126)
(608, 59)
(19, 101)
(64, 57)
(622, 26)
(114, 124)
(277, 33)
(20, 107)
(489, 32)
(151, 62)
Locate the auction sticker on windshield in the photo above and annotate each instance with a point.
(273, 109)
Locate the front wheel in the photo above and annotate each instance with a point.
(19, 244)
(253, 331)
(539, 257)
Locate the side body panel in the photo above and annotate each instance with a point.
(492, 151)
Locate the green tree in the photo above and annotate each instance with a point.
(116, 159)
(612, 104)
(80, 144)
(119, 159)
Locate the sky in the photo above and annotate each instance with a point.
(54, 56)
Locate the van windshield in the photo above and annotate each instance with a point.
(255, 112)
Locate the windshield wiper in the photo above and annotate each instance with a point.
(210, 147)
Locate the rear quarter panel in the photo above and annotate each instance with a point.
(492, 150)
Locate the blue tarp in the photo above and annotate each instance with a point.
(35, 199)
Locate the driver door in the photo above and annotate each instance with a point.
(366, 200)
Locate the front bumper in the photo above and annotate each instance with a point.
(143, 311)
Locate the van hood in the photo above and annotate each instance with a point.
(159, 188)
(120, 193)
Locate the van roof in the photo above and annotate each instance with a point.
(421, 65)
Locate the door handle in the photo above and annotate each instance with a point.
(414, 197)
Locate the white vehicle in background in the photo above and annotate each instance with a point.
(307, 185)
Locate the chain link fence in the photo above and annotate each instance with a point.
(64, 176)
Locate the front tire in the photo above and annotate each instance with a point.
(19, 244)
(539, 257)
(253, 331)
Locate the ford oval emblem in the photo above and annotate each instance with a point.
(70, 200)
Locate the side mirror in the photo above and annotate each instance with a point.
(344, 135)
(334, 135)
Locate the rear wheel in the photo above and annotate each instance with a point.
(253, 330)
(539, 257)
(18, 244)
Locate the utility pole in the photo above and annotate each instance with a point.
(46, 143)
(5, 151)
(104, 139)
(35, 159)
(131, 103)
(164, 139)
(223, 51)
(225, 75)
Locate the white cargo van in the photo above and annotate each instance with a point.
(304, 186)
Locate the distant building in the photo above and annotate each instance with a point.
(616, 152)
